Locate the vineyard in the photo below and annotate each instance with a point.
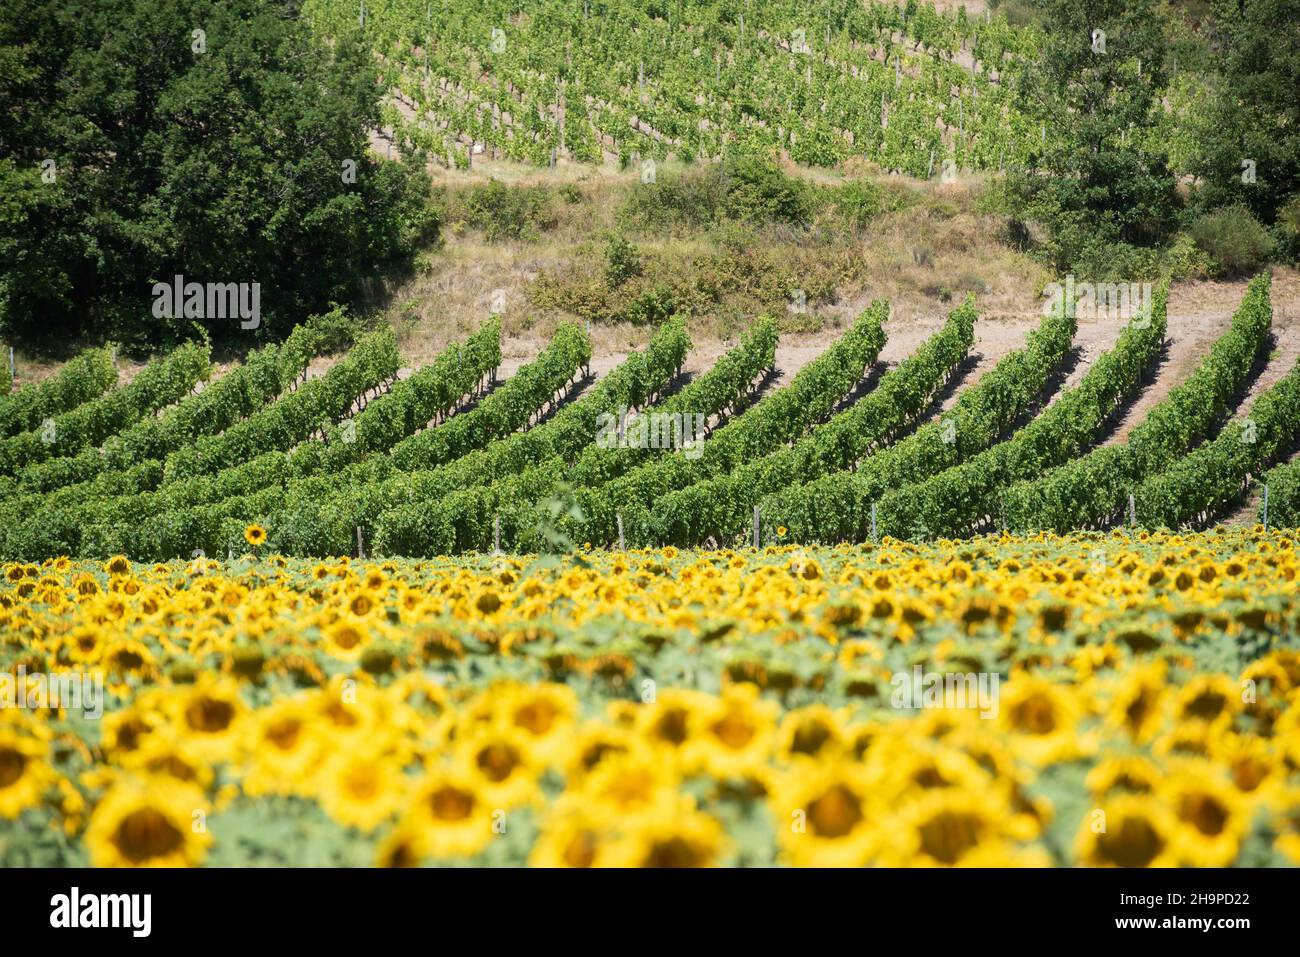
(911, 89)
(450, 458)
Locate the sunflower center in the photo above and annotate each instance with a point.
(497, 761)
(1035, 715)
(1138, 709)
(734, 731)
(536, 716)
(210, 715)
(672, 852)
(672, 726)
(12, 763)
(285, 734)
(1208, 705)
(1248, 773)
(129, 660)
(1134, 844)
(835, 813)
(810, 737)
(347, 638)
(1205, 814)
(948, 836)
(597, 753)
(363, 784)
(145, 834)
(451, 804)
(581, 851)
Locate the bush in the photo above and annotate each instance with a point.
(652, 306)
(858, 202)
(757, 189)
(1287, 230)
(1236, 242)
(505, 213)
(693, 197)
(1185, 260)
(622, 262)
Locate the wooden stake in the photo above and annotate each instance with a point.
(757, 522)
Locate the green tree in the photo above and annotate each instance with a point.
(1255, 113)
(1100, 186)
(221, 141)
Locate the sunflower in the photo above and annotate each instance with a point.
(826, 815)
(400, 848)
(948, 827)
(284, 748)
(571, 838)
(546, 713)
(504, 765)
(449, 817)
(623, 785)
(737, 731)
(1213, 817)
(1212, 699)
(1123, 774)
(148, 822)
(1132, 830)
(813, 733)
(1042, 720)
(25, 773)
(360, 790)
(255, 535)
(208, 717)
(347, 639)
(670, 835)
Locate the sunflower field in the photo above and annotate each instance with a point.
(743, 707)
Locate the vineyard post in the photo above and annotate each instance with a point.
(756, 525)
(1265, 516)
(361, 552)
(1132, 510)
(929, 170)
(12, 370)
(874, 537)
(496, 534)
(619, 517)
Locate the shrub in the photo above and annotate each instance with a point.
(759, 190)
(1185, 260)
(1235, 240)
(858, 202)
(652, 306)
(505, 212)
(1287, 229)
(692, 197)
(622, 261)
